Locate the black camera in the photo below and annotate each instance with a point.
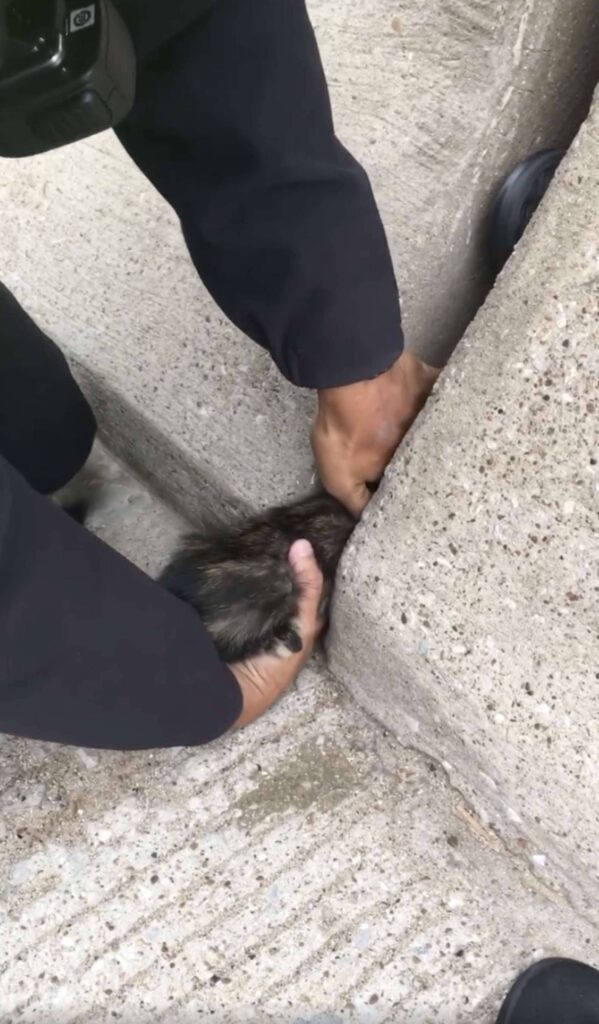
(67, 70)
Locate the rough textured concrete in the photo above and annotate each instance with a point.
(438, 100)
(309, 870)
(467, 615)
(441, 98)
(306, 870)
(124, 513)
(178, 391)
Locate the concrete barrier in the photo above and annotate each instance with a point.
(467, 612)
(438, 100)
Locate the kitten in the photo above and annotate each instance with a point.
(236, 573)
(238, 578)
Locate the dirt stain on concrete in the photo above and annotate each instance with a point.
(320, 772)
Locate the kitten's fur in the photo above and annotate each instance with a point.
(236, 573)
(239, 580)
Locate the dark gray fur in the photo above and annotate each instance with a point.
(238, 578)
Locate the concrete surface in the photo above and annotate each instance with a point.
(466, 616)
(307, 870)
(123, 512)
(310, 869)
(438, 99)
(179, 392)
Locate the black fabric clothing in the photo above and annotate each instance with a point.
(46, 425)
(93, 652)
(232, 124)
(153, 22)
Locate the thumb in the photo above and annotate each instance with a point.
(309, 579)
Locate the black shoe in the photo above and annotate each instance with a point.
(516, 201)
(553, 991)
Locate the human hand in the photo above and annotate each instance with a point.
(264, 678)
(358, 427)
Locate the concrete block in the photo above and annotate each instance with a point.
(303, 871)
(467, 612)
(440, 98)
(437, 99)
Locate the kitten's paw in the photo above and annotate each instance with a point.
(287, 642)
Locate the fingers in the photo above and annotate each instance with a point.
(352, 444)
(354, 495)
(309, 579)
(357, 499)
(336, 476)
(347, 485)
(358, 427)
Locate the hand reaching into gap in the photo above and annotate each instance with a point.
(359, 426)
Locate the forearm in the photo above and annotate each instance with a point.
(93, 652)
